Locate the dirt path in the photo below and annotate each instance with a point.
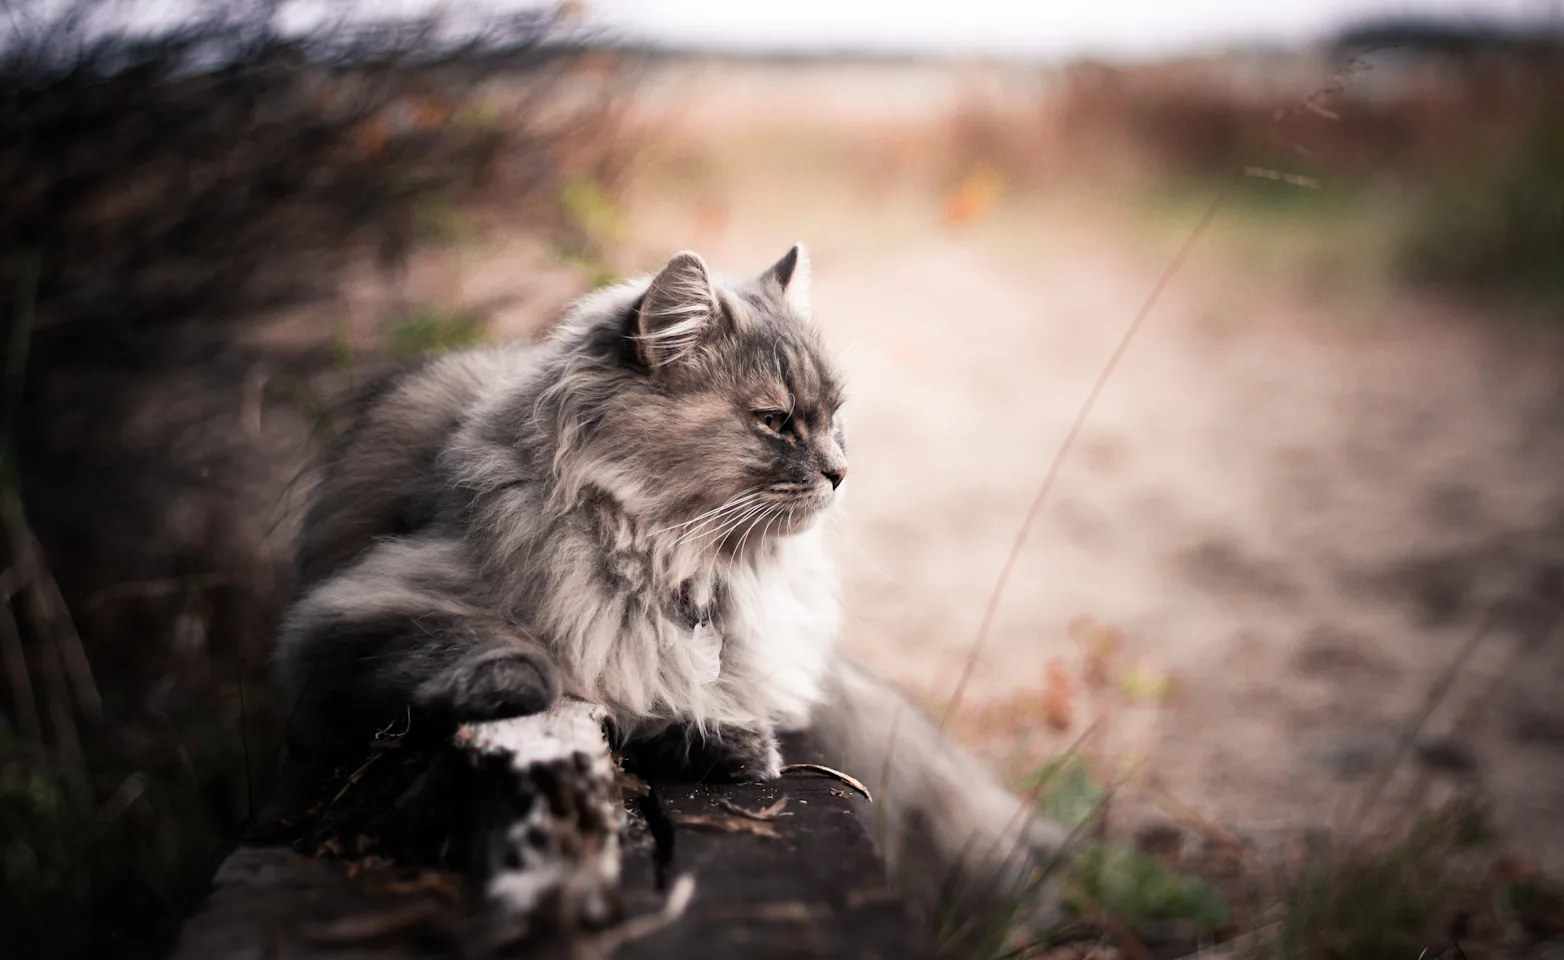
(1296, 502)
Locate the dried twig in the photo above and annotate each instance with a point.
(768, 813)
(830, 772)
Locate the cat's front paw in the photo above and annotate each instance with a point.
(726, 754)
(491, 685)
(741, 755)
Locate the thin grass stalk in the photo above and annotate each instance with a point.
(62, 628)
(1052, 474)
(19, 678)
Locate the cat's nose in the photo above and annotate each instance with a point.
(835, 476)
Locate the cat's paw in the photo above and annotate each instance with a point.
(741, 755)
(725, 754)
(491, 685)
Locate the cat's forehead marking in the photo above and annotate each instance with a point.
(782, 364)
(785, 364)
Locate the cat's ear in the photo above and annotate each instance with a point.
(676, 312)
(791, 275)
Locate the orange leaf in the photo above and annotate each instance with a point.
(1058, 698)
(973, 198)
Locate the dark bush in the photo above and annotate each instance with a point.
(1498, 228)
(163, 193)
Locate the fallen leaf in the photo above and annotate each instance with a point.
(1058, 698)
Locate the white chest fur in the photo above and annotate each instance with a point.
(780, 628)
(760, 660)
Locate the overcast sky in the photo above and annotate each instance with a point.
(1006, 28)
(1028, 28)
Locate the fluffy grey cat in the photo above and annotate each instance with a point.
(631, 512)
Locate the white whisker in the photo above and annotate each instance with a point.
(728, 504)
(739, 550)
(726, 526)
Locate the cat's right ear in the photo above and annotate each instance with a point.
(676, 312)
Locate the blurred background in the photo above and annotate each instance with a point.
(1301, 569)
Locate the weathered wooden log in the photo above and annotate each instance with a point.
(557, 862)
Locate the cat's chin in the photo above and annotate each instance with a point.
(802, 516)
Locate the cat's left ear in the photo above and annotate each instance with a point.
(791, 275)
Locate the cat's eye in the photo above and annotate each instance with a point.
(774, 420)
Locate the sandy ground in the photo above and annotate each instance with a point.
(1299, 497)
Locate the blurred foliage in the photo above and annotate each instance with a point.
(1394, 895)
(431, 329)
(437, 220)
(593, 226)
(108, 864)
(1137, 891)
(1498, 228)
(164, 191)
(1115, 880)
(591, 211)
(1374, 904)
(1068, 792)
(209, 192)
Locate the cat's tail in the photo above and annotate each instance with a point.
(957, 843)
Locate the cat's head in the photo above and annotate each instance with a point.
(723, 418)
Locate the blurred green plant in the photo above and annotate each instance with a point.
(1499, 228)
(432, 329)
(1115, 880)
(594, 225)
(1068, 791)
(598, 274)
(590, 210)
(111, 871)
(1371, 903)
(1137, 891)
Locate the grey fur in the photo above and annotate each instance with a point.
(631, 512)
